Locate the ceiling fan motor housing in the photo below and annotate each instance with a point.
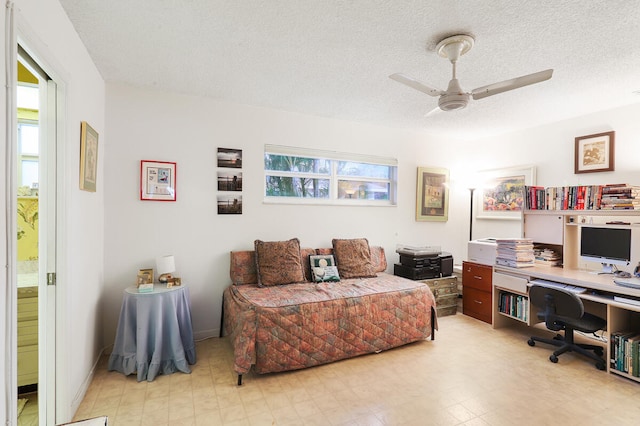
(454, 98)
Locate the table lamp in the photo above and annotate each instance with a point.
(165, 266)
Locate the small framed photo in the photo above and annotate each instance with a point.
(88, 157)
(323, 268)
(157, 181)
(145, 276)
(229, 180)
(228, 157)
(174, 282)
(595, 153)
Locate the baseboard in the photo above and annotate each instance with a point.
(206, 334)
(82, 392)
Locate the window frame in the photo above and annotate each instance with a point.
(332, 176)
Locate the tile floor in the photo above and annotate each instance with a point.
(470, 375)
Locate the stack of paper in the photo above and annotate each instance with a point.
(515, 252)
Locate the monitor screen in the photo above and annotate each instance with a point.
(605, 245)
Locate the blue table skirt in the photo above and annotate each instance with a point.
(154, 334)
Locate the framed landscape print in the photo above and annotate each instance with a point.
(501, 194)
(432, 195)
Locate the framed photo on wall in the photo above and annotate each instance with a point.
(501, 192)
(432, 194)
(157, 180)
(595, 153)
(88, 157)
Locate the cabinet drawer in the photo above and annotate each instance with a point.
(443, 286)
(476, 276)
(446, 301)
(477, 304)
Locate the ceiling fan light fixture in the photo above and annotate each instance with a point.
(453, 101)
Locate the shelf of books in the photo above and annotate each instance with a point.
(624, 343)
(514, 306)
(618, 197)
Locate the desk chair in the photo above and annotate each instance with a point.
(563, 310)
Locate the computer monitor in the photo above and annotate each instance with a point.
(606, 245)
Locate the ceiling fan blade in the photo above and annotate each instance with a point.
(514, 83)
(401, 78)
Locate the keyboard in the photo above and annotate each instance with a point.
(632, 282)
(553, 284)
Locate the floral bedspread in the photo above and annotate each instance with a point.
(300, 325)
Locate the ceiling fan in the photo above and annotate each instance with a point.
(454, 97)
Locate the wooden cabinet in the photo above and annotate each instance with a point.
(27, 336)
(445, 290)
(477, 290)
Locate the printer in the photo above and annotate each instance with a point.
(482, 251)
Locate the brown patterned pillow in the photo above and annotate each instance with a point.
(353, 258)
(278, 262)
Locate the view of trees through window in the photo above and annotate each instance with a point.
(318, 178)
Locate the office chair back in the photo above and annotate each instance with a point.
(558, 305)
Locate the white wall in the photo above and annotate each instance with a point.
(47, 33)
(150, 125)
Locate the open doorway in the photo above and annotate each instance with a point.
(35, 241)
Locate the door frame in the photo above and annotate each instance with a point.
(51, 362)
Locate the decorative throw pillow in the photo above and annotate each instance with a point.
(278, 262)
(353, 258)
(323, 268)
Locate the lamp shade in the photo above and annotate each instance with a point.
(165, 264)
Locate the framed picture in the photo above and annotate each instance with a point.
(157, 181)
(595, 153)
(228, 157)
(88, 157)
(145, 276)
(432, 194)
(229, 180)
(229, 204)
(501, 192)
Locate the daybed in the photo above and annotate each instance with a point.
(279, 327)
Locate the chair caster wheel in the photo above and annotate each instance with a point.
(531, 342)
(600, 366)
(553, 359)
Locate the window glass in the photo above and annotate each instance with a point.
(312, 176)
(284, 186)
(350, 168)
(28, 138)
(29, 172)
(296, 164)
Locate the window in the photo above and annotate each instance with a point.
(310, 176)
(28, 135)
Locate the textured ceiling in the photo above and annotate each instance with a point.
(332, 58)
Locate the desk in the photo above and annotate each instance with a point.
(598, 299)
(154, 333)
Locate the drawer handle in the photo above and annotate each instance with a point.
(478, 302)
(477, 277)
